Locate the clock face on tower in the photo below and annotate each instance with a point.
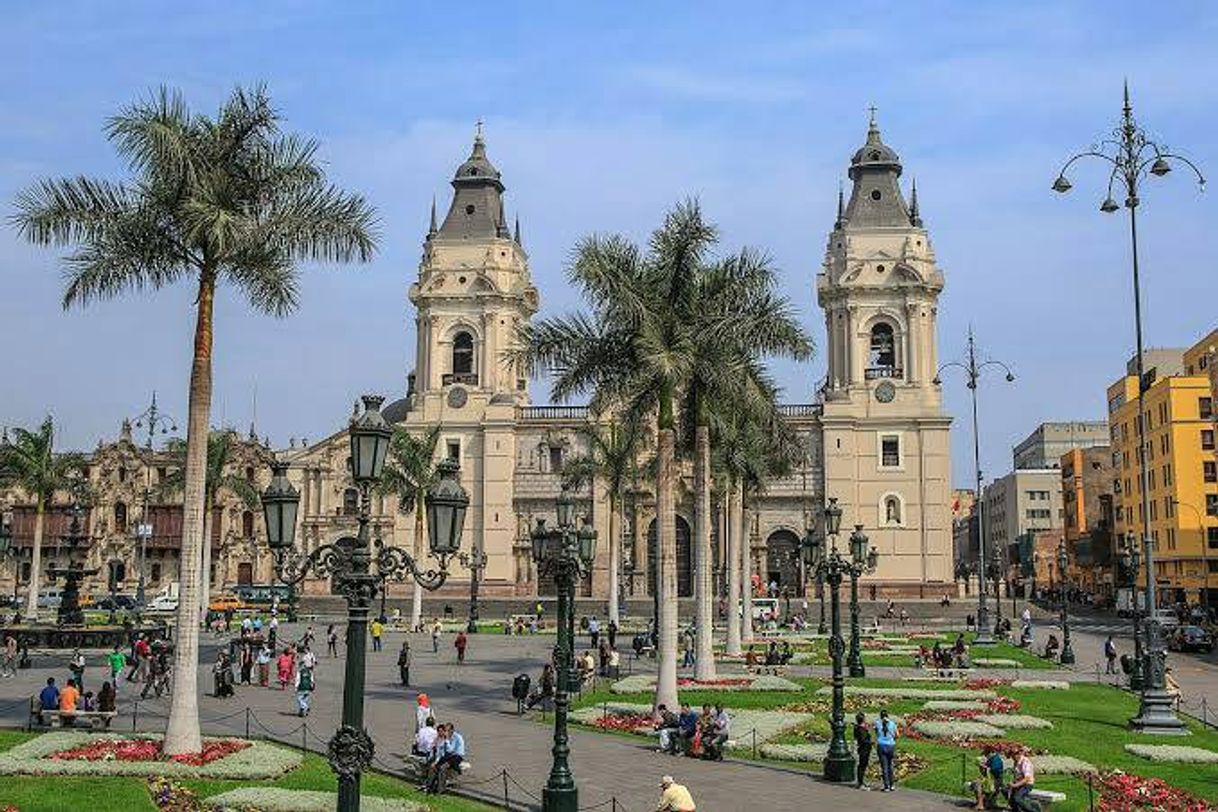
(885, 392)
(457, 396)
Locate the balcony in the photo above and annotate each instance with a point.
(532, 413)
(467, 378)
(800, 409)
(876, 373)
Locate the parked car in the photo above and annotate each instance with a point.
(122, 602)
(1191, 638)
(163, 603)
(224, 601)
(1167, 618)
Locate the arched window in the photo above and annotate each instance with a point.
(247, 524)
(120, 517)
(350, 502)
(883, 347)
(463, 354)
(892, 510)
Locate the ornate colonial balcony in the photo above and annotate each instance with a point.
(467, 378)
(875, 373)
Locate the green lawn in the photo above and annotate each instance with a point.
(106, 794)
(1089, 723)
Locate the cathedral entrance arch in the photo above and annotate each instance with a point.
(685, 573)
(781, 559)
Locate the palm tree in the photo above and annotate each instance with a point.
(638, 353)
(409, 473)
(30, 464)
(613, 458)
(220, 446)
(229, 199)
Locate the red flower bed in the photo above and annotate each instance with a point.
(984, 683)
(686, 682)
(628, 723)
(1123, 792)
(147, 750)
(875, 645)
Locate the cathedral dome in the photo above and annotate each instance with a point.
(477, 168)
(396, 412)
(875, 154)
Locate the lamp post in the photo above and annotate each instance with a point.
(7, 550)
(822, 557)
(348, 561)
(1130, 565)
(863, 559)
(996, 577)
(972, 373)
(567, 554)
(1131, 158)
(156, 421)
(821, 628)
(1063, 560)
(475, 562)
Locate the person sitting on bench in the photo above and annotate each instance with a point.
(1051, 648)
(668, 725)
(787, 654)
(48, 699)
(450, 752)
(425, 740)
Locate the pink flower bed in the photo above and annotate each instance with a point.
(1123, 792)
(984, 683)
(147, 750)
(625, 722)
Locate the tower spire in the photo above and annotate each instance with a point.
(431, 229)
(915, 219)
(518, 242)
(841, 207)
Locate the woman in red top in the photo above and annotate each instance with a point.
(284, 665)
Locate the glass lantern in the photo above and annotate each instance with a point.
(858, 545)
(587, 542)
(280, 503)
(541, 542)
(446, 504)
(566, 508)
(370, 437)
(833, 517)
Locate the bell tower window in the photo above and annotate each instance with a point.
(882, 355)
(462, 361)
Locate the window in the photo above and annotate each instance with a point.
(1165, 443)
(1205, 408)
(556, 458)
(1171, 538)
(1213, 565)
(1166, 476)
(162, 473)
(1168, 507)
(156, 573)
(1150, 479)
(883, 346)
(249, 473)
(1154, 511)
(247, 524)
(890, 451)
(454, 450)
(463, 354)
(1207, 439)
(892, 510)
(350, 502)
(122, 473)
(1209, 470)
(1211, 537)
(25, 572)
(1211, 504)
(120, 517)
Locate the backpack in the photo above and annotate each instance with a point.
(306, 680)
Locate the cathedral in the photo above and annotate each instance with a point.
(876, 438)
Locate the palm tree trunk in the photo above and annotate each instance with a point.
(704, 665)
(182, 732)
(746, 575)
(733, 570)
(31, 600)
(615, 562)
(666, 544)
(209, 516)
(416, 606)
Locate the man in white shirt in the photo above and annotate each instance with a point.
(425, 739)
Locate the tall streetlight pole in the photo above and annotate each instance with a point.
(475, 562)
(567, 554)
(349, 562)
(157, 422)
(972, 371)
(1063, 560)
(823, 557)
(1131, 158)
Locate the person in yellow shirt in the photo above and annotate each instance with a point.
(68, 698)
(674, 797)
(377, 630)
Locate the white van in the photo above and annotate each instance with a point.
(50, 598)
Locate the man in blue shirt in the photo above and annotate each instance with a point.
(48, 698)
(688, 721)
(449, 753)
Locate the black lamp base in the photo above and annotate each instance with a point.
(840, 769)
(565, 799)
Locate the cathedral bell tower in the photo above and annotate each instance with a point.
(885, 435)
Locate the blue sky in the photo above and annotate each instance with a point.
(600, 116)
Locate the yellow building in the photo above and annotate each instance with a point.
(1180, 466)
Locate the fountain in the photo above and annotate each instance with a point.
(70, 614)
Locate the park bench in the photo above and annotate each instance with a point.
(1046, 797)
(416, 768)
(525, 619)
(947, 673)
(776, 670)
(52, 717)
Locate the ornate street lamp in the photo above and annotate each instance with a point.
(475, 562)
(806, 544)
(1131, 157)
(829, 563)
(567, 554)
(1063, 561)
(972, 372)
(863, 559)
(348, 561)
(1130, 565)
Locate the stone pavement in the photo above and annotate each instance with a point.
(476, 697)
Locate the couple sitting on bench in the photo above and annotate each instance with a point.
(444, 750)
(692, 735)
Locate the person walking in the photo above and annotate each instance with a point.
(1110, 654)
(77, 666)
(886, 748)
(332, 641)
(674, 797)
(284, 666)
(376, 629)
(8, 666)
(404, 663)
(304, 688)
(594, 631)
(436, 628)
(264, 665)
(611, 630)
(459, 644)
(862, 748)
(117, 661)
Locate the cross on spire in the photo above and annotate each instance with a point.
(872, 110)
(478, 129)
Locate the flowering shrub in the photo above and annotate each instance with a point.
(1173, 752)
(628, 722)
(1012, 721)
(746, 722)
(1123, 792)
(275, 799)
(253, 760)
(1002, 704)
(1050, 764)
(148, 750)
(169, 796)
